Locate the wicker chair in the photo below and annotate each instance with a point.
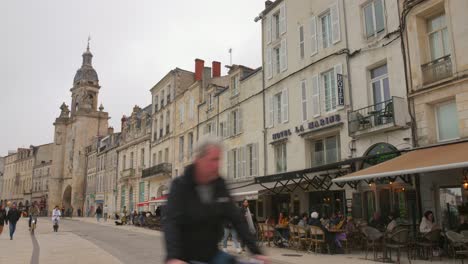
(303, 238)
(373, 239)
(317, 239)
(293, 237)
(429, 242)
(398, 239)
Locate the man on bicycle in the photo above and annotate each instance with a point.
(198, 206)
(33, 214)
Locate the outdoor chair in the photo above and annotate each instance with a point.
(303, 237)
(397, 240)
(373, 239)
(428, 243)
(293, 237)
(464, 233)
(317, 239)
(456, 244)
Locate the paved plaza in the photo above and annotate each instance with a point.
(83, 240)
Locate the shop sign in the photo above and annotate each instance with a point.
(319, 123)
(282, 134)
(99, 197)
(339, 84)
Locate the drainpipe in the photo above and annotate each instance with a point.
(265, 155)
(348, 68)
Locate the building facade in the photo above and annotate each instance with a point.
(435, 42)
(133, 157)
(75, 129)
(40, 177)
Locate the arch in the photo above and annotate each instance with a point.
(66, 198)
(162, 190)
(379, 149)
(130, 199)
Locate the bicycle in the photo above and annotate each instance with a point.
(33, 224)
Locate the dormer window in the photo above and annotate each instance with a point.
(235, 85)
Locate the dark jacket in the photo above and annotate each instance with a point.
(13, 215)
(193, 229)
(2, 217)
(99, 210)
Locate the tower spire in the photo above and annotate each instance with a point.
(89, 38)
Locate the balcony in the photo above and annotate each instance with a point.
(158, 170)
(127, 174)
(437, 70)
(381, 117)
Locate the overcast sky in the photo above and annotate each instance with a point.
(134, 43)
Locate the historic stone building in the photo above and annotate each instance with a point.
(40, 176)
(75, 129)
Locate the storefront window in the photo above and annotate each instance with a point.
(369, 199)
(450, 200)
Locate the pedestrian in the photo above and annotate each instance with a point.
(106, 211)
(98, 213)
(33, 213)
(55, 218)
(228, 229)
(248, 218)
(63, 211)
(79, 212)
(2, 218)
(13, 216)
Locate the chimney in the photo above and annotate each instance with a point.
(216, 67)
(123, 121)
(268, 3)
(199, 65)
(110, 130)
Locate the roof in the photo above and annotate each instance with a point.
(435, 158)
(271, 6)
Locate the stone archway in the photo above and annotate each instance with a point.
(66, 199)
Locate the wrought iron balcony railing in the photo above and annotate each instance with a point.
(437, 70)
(385, 114)
(160, 169)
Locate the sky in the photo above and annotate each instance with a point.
(134, 43)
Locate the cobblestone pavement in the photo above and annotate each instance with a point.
(83, 240)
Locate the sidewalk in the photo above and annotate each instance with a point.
(49, 247)
(284, 256)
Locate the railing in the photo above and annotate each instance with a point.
(437, 70)
(127, 173)
(161, 168)
(374, 115)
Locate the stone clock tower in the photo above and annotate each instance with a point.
(75, 129)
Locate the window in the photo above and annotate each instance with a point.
(131, 160)
(235, 85)
(280, 157)
(222, 126)
(374, 18)
(301, 41)
(325, 21)
(437, 34)
(236, 122)
(277, 107)
(380, 85)
(276, 25)
(142, 157)
(166, 155)
(276, 59)
(447, 121)
(161, 126)
(162, 98)
(181, 148)
(190, 144)
(330, 90)
(154, 159)
(124, 162)
(160, 156)
(156, 103)
(325, 151)
(234, 163)
(304, 99)
(210, 101)
(181, 113)
(168, 115)
(168, 94)
(142, 192)
(251, 160)
(192, 108)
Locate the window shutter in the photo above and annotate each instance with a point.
(335, 21)
(243, 151)
(339, 70)
(282, 19)
(271, 116)
(315, 96)
(255, 160)
(285, 105)
(214, 129)
(269, 70)
(283, 56)
(313, 35)
(238, 163)
(229, 125)
(304, 99)
(239, 120)
(268, 29)
(225, 129)
(191, 110)
(229, 164)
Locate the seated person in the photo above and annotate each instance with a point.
(393, 222)
(427, 223)
(304, 221)
(283, 225)
(377, 222)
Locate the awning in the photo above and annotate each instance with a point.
(159, 200)
(241, 191)
(142, 204)
(428, 159)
